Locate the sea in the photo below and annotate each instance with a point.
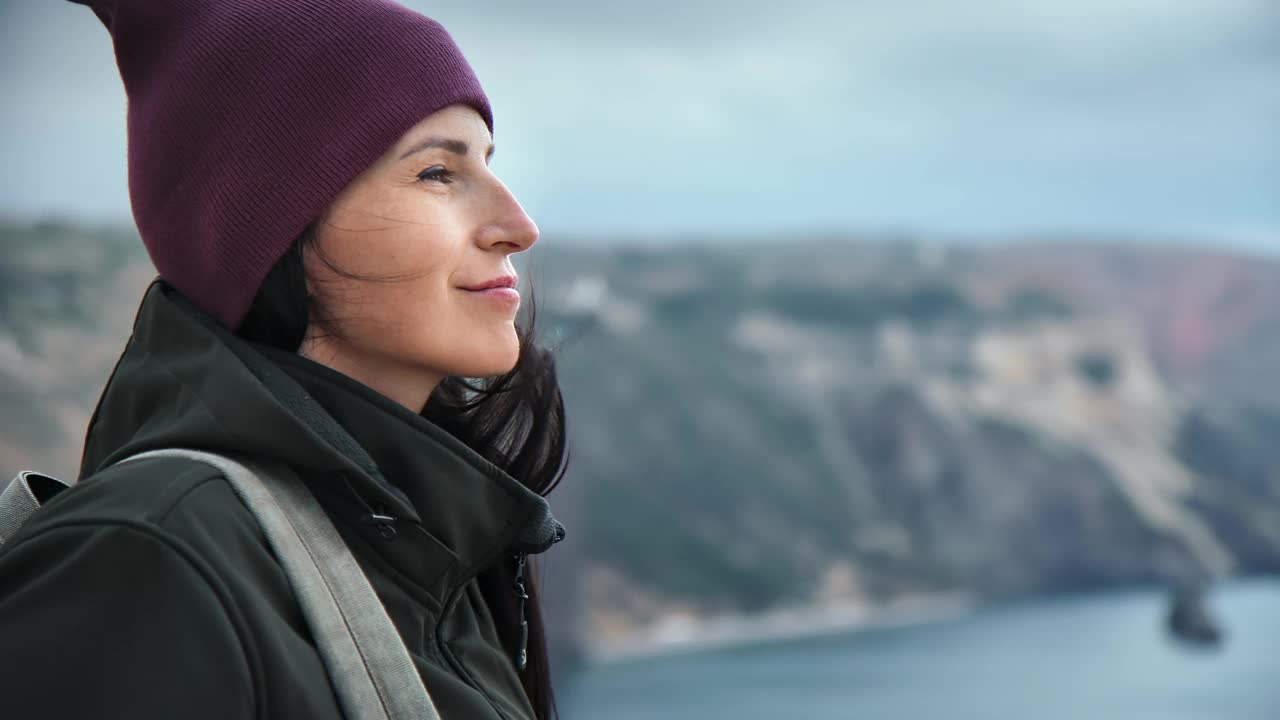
(1105, 656)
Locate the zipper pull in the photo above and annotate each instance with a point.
(522, 649)
(384, 523)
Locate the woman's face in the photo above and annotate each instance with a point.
(401, 254)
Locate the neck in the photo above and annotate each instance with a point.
(407, 385)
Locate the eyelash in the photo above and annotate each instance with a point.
(438, 173)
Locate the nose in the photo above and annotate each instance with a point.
(509, 229)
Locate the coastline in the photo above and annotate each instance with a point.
(678, 634)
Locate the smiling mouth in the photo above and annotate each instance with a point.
(505, 281)
(502, 294)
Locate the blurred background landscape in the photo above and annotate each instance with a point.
(913, 353)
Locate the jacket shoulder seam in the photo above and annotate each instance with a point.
(214, 474)
(151, 512)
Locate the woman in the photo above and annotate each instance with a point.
(312, 182)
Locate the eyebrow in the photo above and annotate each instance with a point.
(457, 147)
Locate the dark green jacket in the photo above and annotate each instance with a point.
(148, 591)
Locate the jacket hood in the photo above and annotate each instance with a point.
(185, 381)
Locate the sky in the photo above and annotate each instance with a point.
(986, 119)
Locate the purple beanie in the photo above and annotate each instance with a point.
(247, 117)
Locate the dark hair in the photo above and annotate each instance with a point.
(515, 420)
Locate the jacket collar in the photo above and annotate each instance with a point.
(185, 381)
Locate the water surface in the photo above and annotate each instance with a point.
(1102, 656)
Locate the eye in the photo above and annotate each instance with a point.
(436, 173)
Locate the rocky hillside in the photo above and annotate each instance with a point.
(811, 422)
(67, 300)
(830, 421)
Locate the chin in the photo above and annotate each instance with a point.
(491, 361)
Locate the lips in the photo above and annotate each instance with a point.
(500, 292)
(505, 281)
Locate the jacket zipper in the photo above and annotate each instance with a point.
(522, 595)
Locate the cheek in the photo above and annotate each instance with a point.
(403, 251)
(403, 302)
(384, 280)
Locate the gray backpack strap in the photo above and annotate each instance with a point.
(370, 668)
(23, 496)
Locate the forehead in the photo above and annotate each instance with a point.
(457, 122)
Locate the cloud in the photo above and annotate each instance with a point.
(1012, 114)
(995, 116)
